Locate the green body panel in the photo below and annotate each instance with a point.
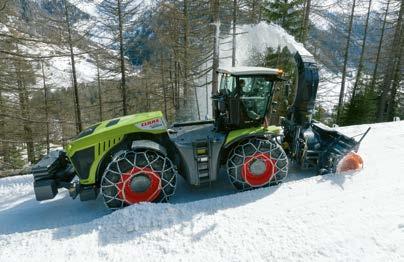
(233, 135)
(104, 137)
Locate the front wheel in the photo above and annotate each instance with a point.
(138, 176)
(257, 162)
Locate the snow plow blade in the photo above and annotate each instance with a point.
(312, 144)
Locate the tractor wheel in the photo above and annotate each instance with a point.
(257, 162)
(138, 176)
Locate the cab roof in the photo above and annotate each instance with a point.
(249, 70)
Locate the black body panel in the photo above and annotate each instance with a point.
(199, 147)
(52, 172)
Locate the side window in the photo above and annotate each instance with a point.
(245, 84)
(227, 84)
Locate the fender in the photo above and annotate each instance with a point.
(237, 135)
(148, 144)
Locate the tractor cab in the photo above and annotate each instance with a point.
(244, 96)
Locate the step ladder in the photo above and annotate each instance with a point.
(202, 159)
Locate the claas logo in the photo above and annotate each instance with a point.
(150, 122)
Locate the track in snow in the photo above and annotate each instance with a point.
(20, 212)
(334, 217)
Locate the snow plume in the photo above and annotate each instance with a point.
(249, 39)
(257, 38)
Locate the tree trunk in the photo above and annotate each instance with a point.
(394, 59)
(79, 125)
(45, 91)
(25, 115)
(216, 32)
(392, 106)
(147, 96)
(346, 55)
(177, 85)
(172, 81)
(186, 47)
(306, 21)
(3, 143)
(360, 65)
(99, 90)
(163, 84)
(233, 56)
(285, 14)
(122, 58)
(379, 49)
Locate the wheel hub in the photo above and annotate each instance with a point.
(257, 167)
(140, 183)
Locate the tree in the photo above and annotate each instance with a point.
(215, 5)
(306, 21)
(234, 33)
(360, 110)
(363, 48)
(379, 49)
(117, 19)
(79, 125)
(286, 13)
(388, 87)
(23, 76)
(346, 56)
(46, 109)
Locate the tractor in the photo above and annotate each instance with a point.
(138, 158)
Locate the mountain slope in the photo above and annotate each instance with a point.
(357, 217)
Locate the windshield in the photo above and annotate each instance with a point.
(255, 92)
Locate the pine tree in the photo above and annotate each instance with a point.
(392, 73)
(286, 13)
(361, 109)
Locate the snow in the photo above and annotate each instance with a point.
(343, 7)
(86, 6)
(352, 217)
(257, 38)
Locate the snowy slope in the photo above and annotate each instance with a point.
(357, 217)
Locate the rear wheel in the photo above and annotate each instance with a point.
(138, 176)
(257, 162)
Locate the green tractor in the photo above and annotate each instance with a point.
(138, 158)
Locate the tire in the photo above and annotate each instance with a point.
(255, 163)
(138, 176)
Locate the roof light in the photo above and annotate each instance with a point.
(280, 72)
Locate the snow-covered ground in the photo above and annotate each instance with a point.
(355, 217)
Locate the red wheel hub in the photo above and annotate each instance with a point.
(126, 192)
(254, 178)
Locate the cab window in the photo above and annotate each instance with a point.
(227, 84)
(255, 93)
